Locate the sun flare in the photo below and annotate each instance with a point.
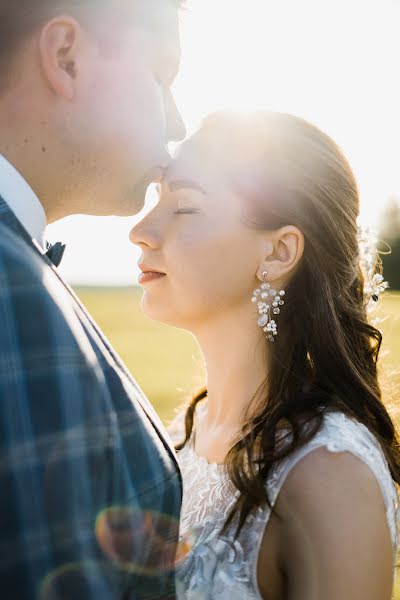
(333, 63)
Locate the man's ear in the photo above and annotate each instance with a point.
(59, 45)
(283, 252)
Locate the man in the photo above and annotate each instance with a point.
(90, 490)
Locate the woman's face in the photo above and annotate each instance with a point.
(196, 237)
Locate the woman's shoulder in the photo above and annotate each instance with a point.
(333, 515)
(344, 449)
(341, 433)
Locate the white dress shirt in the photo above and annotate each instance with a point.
(22, 200)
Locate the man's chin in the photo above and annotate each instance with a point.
(137, 197)
(132, 200)
(135, 205)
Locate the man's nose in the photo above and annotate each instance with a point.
(176, 129)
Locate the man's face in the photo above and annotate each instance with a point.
(124, 115)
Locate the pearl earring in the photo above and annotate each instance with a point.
(268, 299)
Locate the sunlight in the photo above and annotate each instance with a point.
(310, 58)
(333, 63)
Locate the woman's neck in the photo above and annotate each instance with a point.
(236, 363)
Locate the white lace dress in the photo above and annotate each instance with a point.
(213, 567)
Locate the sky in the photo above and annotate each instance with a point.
(333, 62)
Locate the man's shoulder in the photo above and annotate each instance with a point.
(16, 253)
(26, 280)
(36, 309)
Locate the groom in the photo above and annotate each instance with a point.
(90, 490)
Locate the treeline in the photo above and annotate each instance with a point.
(389, 243)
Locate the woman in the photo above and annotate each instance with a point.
(289, 457)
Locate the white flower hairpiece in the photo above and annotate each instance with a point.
(374, 283)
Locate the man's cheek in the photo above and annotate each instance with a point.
(143, 120)
(154, 110)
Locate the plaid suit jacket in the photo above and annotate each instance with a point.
(90, 489)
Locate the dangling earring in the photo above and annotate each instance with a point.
(268, 299)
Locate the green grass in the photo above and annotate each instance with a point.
(391, 326)
(390, 368)
(167, 362)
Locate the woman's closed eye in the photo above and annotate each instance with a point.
(186, 211)
(186, 205)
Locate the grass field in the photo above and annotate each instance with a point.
(164, 361)
(167, 362)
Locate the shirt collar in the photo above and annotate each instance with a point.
(22, 200)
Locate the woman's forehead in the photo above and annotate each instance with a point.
(202, 159)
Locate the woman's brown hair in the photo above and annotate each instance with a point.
(325, 355)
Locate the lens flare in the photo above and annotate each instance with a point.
(142, 542)
(79, 581)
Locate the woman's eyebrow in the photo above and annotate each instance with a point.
(184, 184)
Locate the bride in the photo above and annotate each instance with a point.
(289, 456)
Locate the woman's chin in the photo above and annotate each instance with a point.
(156, 311)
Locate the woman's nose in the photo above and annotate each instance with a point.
(142, 235)
(135, 235)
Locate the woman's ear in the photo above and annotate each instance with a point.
(282, 252)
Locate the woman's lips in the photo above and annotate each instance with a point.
(149, 276)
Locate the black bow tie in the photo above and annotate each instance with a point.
(55, 252)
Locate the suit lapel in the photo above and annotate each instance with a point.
(8, 218)
(85, 316)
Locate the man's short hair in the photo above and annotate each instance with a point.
(19, 19)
